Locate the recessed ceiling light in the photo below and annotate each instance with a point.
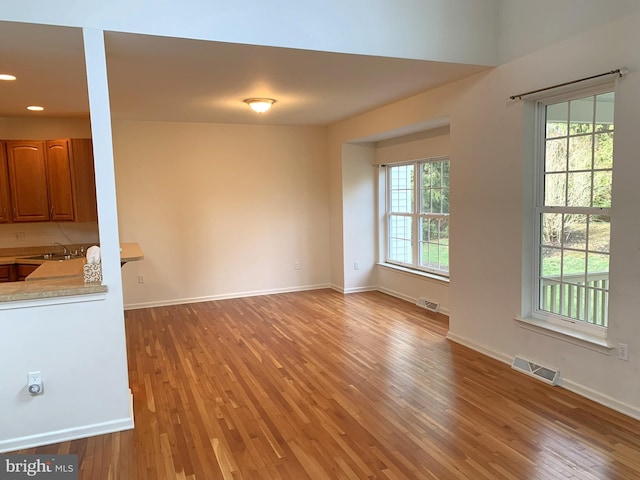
(6, 76)
(35, 108)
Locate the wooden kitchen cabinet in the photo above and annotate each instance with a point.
(83, 179)
(27, 181)
(7, 273)
(60, 189)
(24, 270)
(50, 180)
(5, 199)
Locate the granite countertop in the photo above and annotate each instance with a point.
(57, 278)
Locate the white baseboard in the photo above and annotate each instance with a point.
(359, 290)
(66, 435)
(32, 441)
(501, 357)
(570, 385)
(600, 398)
(402, 296)
(212, 298)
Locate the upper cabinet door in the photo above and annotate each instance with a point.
(28, 181)
(5, 198)
(59, 180)
(84, 180)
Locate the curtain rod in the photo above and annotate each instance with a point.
(618, 71)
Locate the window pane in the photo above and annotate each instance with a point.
(550, 260)
(580, 152)
(598, 266)
(574, 232)
(444, 231)
(603, 151)
(555, 190)
(574, 266)
(602, 189)
(435, 189)
(604, 111)
(597, 304)
(557, 118)
(551, 229)
(445, 174)
(579, 189)
(428, 230)
(400, 245)
(598, 288)
(428, 255)
(434, 243)
(427, 200)
(443, 254)
(599, 233)
(426, 175)
(550, 295)
(556, 155)
(581, 116)
(435, 169)
(401, 193)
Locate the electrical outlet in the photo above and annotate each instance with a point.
(356, 265)
(297, 265)
(20, 237)
(623, 351)
(34, 383)
(141, 279)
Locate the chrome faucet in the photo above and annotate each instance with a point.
(64, 249)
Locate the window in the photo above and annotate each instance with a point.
(417, 215)
(573, 209)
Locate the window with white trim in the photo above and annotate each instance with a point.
(417, 215)
(573, 209)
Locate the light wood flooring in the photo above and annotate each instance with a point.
(319, 385)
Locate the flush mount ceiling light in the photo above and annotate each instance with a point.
(6, 76)
(35, 108)
(260, 105)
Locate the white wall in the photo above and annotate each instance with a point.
(487, 141)
(526, 26)
(424, 144)
(358, 180)
(221, 210)
(459, 31)
(25, 128)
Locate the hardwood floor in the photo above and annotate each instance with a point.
(318, 385)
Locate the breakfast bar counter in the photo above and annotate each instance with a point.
(58, 278)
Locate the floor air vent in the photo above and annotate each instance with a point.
(547, 375)
(428, 304)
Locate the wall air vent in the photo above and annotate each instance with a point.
(428, 304)
(546, 374)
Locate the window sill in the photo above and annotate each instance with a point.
(582, 339)
(414, 273)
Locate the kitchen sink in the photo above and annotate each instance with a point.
(51, 256)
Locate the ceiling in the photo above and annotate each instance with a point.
(171, 79)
